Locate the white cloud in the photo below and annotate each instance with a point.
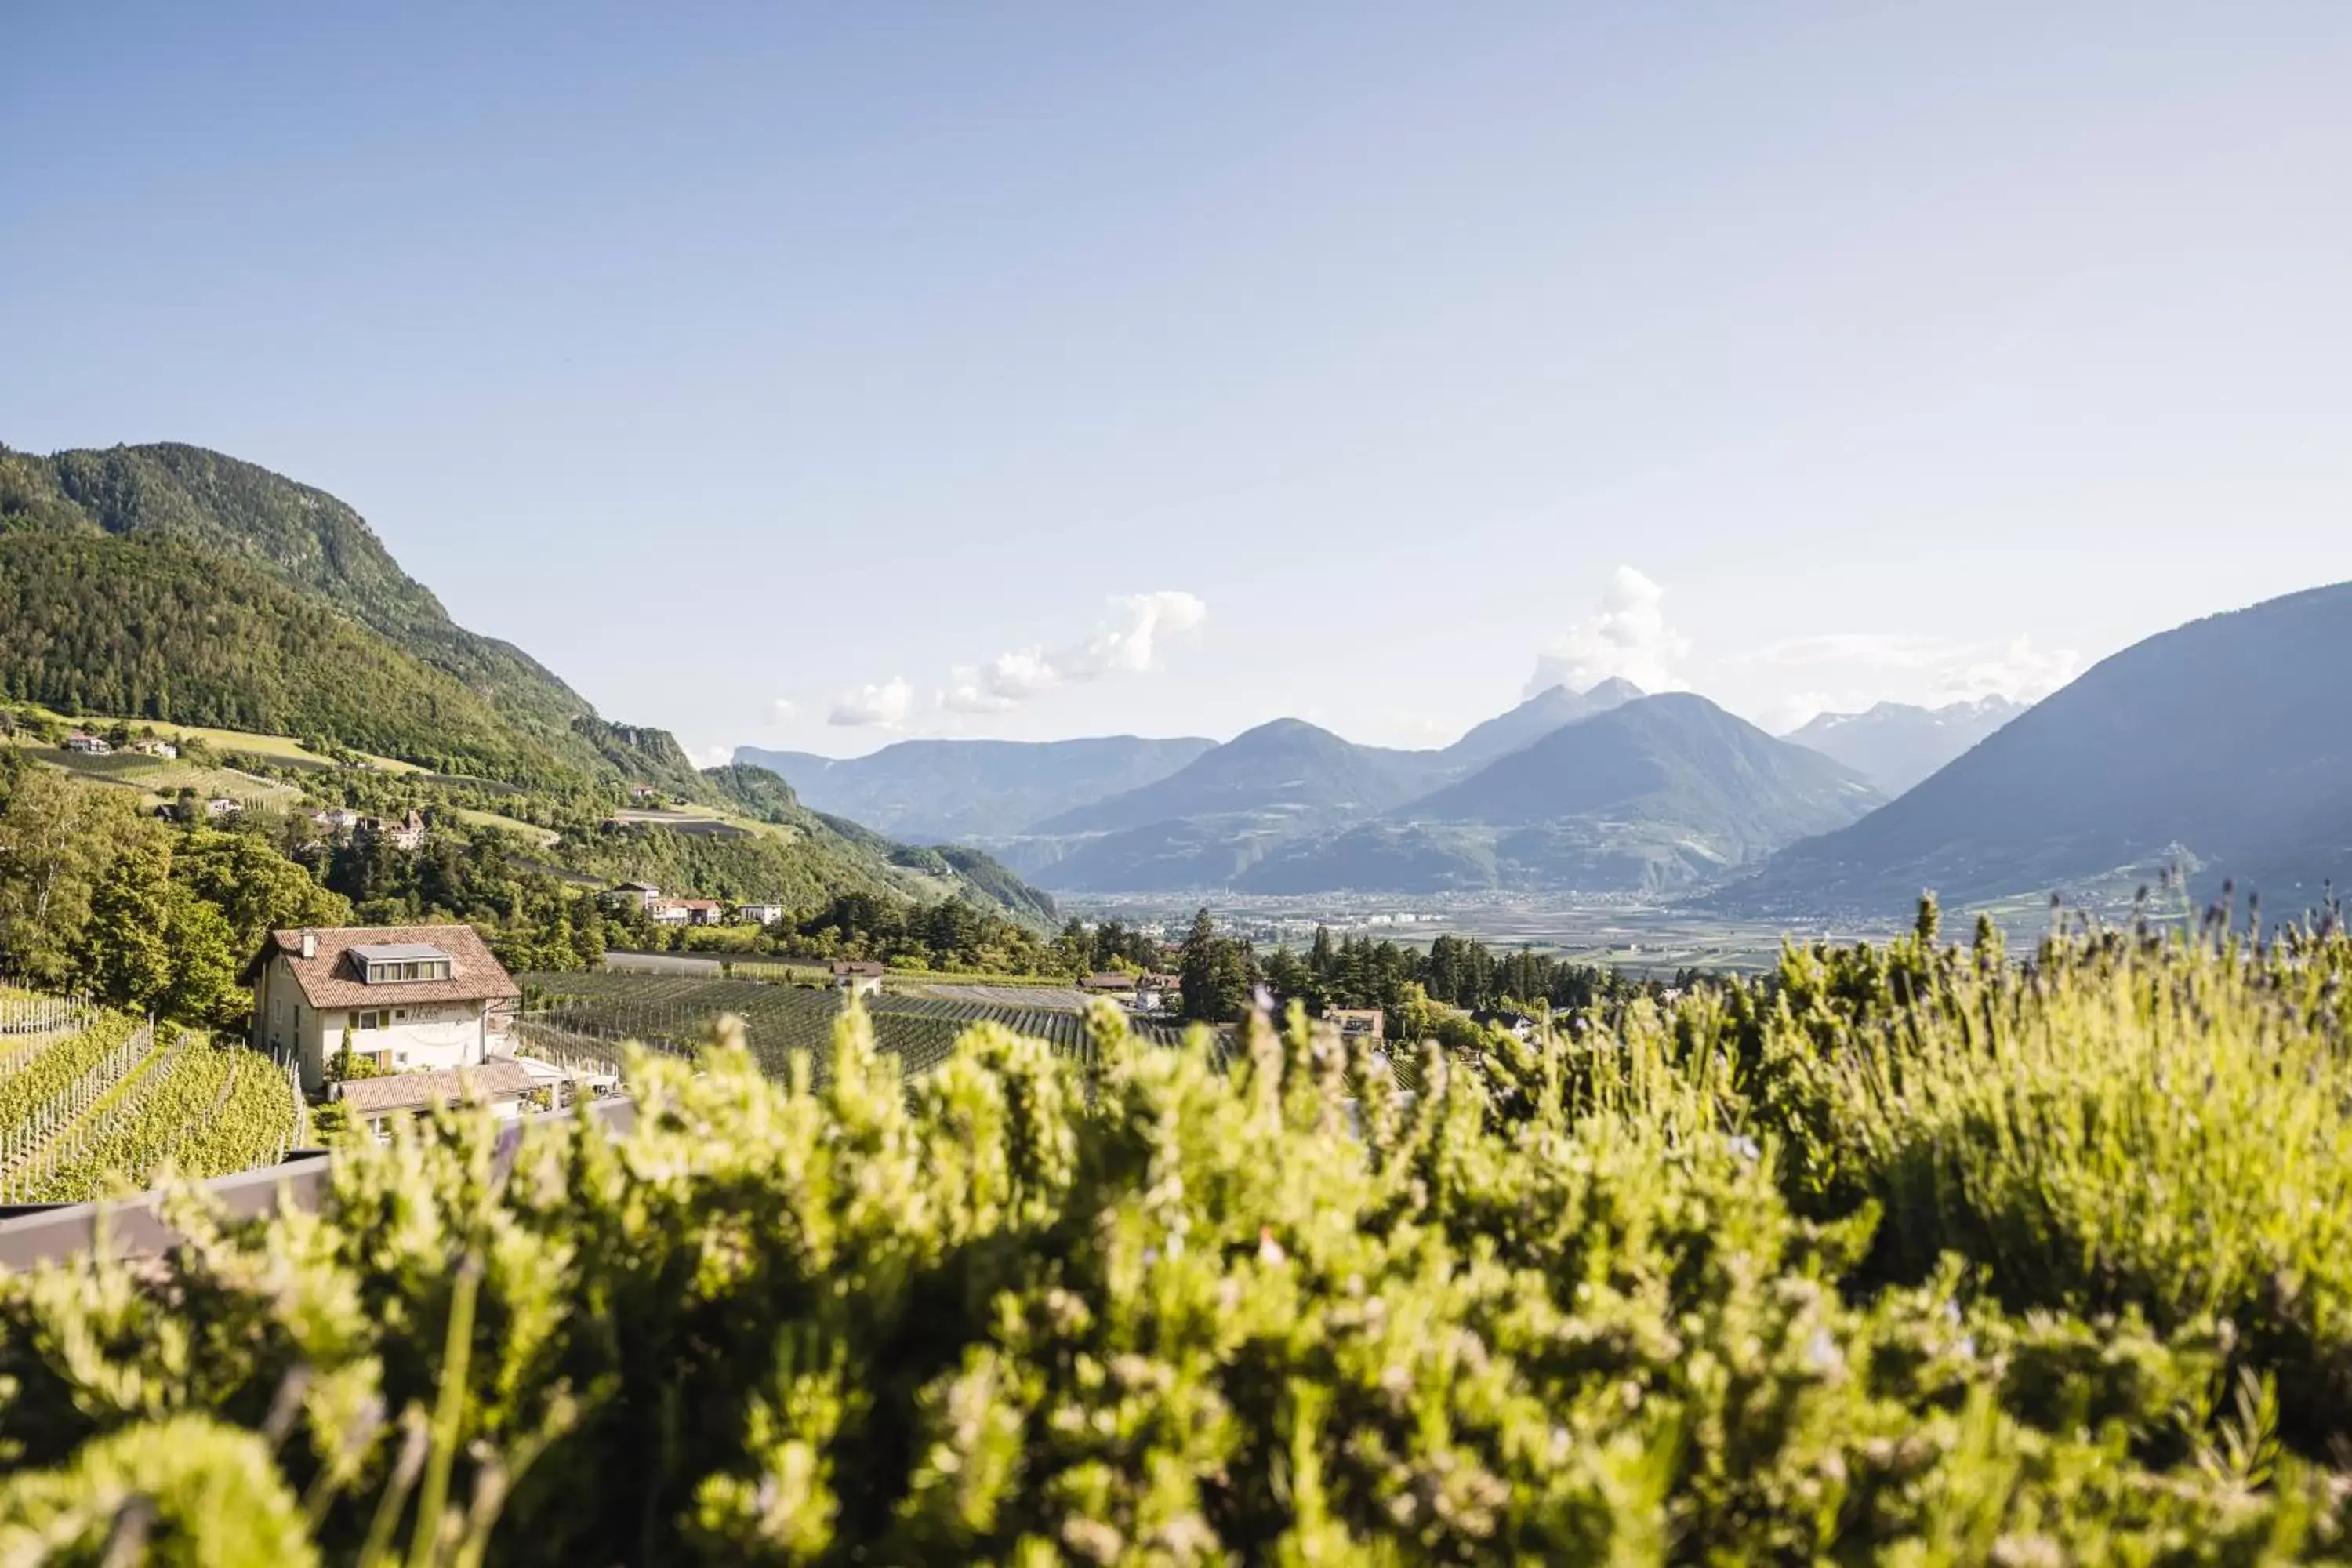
(1847, 672)
(710, 756)
(884, 706)
(783, 710)
(1627, 637)
(1131, 645)
(1128, 643)
(2016, 669)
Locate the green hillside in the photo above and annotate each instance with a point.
(153, 628)
(175, 586)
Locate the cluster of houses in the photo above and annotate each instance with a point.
(343, 824)
(665, 912)
(1136, 993)
(98, 746)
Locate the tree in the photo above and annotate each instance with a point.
(1215, 972)
(202, 987)
(56, 839)
(126, 947)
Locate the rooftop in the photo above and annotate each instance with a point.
(328, 978)
(500, 1077)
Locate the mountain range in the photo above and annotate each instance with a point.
(1604, 789)
(950, 789)
(175, 585)
(2224, 746)
(1897, 744)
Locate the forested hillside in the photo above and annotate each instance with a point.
(153, 628)
(173, 586)
(302, 535)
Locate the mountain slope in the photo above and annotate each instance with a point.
(1897, 744)
(951, 788)
(1288, 767)
(302, 535)
(178, 586)
(1533, 719)
(1658, 794)
(146, 627)
(2230, 737)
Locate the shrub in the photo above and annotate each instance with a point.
(1625, 1294)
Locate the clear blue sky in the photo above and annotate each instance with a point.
(718, 355)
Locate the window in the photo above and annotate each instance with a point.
(374, 1019)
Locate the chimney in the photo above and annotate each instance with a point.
(309, 944)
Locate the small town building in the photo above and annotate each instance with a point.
(642, 895)
(1355, 1022)
(759, 914)
(87, 745)
(412, 997)
(1510, 1020)
(1109, 982)
(503, 1084)
(858, 976)
(163, 749)
(687, 911)
(337, 820)
(405, 835)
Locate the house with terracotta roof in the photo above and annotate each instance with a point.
(412, 997)
(858, 976)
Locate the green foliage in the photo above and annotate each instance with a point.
(153, 628)
(1574, 1300)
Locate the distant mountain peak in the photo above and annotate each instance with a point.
(1897, 744)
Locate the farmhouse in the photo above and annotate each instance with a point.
(221, 805)
(163, 749)
(337, 820)
(859, 977)
(407, 834)
(412, 997)
(1354, 1022)
(759, 914)
(87, 745)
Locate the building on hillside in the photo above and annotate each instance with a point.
(220, 806)
(412, 997)
(643, 895)
(1355, 1022)
(337, 820)
(668, 913)
(87, 745)
(759, 914)
(687, 911)
(858, 976)
(163, 749)
(502, 1083)
(407, 835)
(1110, 982)
(1510, 1020)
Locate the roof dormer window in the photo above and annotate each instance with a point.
(401, 963)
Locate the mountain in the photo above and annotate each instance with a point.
(956, 788)
(1287, 768)
(1533, 719)
(175, 585)
(1897, 744)
(2226, 742)
(1657, 794)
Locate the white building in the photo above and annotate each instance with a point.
(759, 914)
(87, 745)
(645, 895)
(858, 976)
(412, 997)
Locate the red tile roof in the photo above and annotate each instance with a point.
(499, 1079)
(330, 980)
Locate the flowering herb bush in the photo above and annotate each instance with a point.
(1904, 1254)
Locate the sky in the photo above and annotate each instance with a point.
(811, 377)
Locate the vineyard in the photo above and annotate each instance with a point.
(102, 1099)
(673, 1012)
